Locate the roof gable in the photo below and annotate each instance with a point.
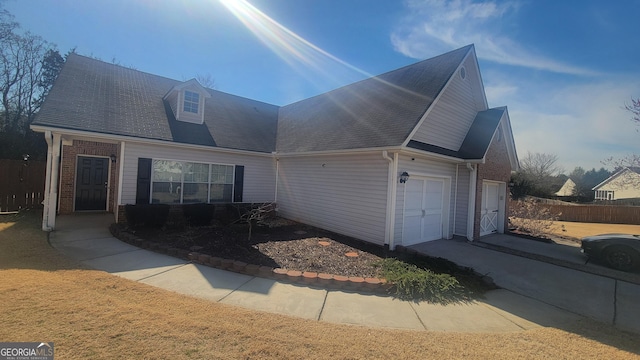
(375, 112)
(632, 173)
(485, 127)
(192, 85)
(567, 188)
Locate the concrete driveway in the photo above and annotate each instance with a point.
(554, 275)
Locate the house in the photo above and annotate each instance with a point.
(624, 184)
(567, 189)
(408, 156)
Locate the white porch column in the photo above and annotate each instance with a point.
(51, 181)
(47, 182)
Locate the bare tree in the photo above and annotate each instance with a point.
(633, 160)
(539, 171)
(21, 70)
(540, 165)
(206, 80)
(634, 108)
(28, 66)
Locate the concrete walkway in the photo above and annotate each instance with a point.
(86, 238)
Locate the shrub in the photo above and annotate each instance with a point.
(198, 214)
(412, 282)
(530, 217)
(152, 215)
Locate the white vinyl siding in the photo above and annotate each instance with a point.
(449, 121)
(623, 186)
(343, 194)
(429, 168)
(259, 171)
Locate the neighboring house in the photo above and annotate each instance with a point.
(409, 156)
(624, 184)
(567, 189)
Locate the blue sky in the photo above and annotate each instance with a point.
(565, 68)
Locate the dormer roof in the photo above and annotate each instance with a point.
(192, 85)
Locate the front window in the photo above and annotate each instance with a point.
(196, 181)
(191, 101)
(181, 182)
(167, 182)
(221, 183)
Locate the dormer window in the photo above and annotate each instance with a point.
(191, 101)
(187, 101)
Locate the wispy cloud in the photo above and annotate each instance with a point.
(583, 124)
(435, 26)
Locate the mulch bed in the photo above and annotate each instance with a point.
(282, 244)
(293, 246)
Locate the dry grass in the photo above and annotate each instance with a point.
(577, 230)
(91, 314)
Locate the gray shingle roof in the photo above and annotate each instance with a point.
(91, 95)
(375, 112)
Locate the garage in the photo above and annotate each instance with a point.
(425, 210)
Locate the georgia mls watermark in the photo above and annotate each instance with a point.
(26, 351)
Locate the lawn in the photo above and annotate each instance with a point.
(91, 314)
(577, 230)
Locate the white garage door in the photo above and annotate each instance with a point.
(423, 210)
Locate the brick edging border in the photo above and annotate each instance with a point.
(306, 278)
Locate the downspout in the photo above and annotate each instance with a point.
(473, 175)
(47, 182)
(394, 200)
(275, 195)
(118, 200)
(387, 226)
(455, 200)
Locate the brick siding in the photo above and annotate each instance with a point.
(68, 171)
(497, 168)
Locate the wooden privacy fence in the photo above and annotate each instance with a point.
(597, 213)
(21, 184)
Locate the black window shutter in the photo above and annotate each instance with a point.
(238, 184)
(143, 187)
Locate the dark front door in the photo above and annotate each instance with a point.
(91, 183)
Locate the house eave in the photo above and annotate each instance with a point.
(337, 152)
(124, 138)
(432, 155)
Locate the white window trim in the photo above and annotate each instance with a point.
(233, 180)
